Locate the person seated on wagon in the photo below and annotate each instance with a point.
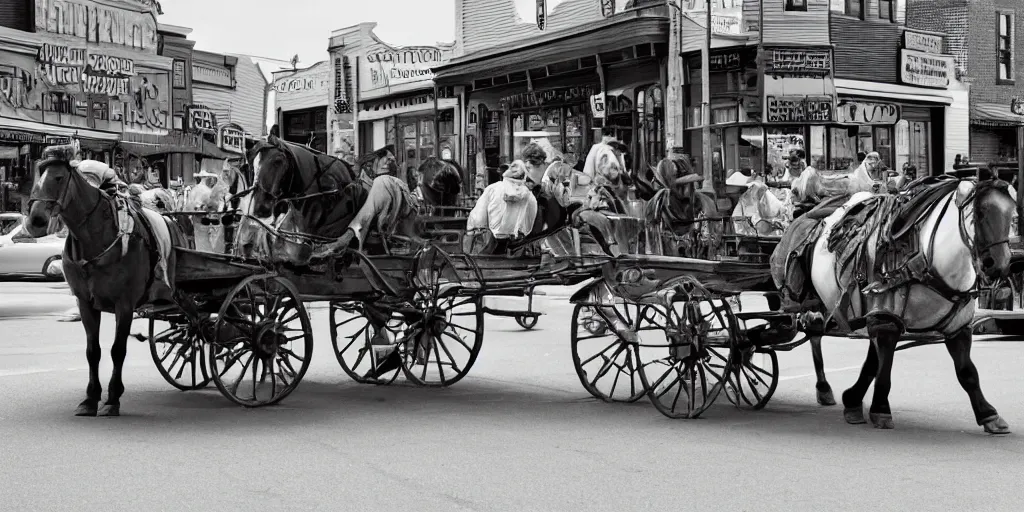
(389, 204)
(870, 176)
(505, 212)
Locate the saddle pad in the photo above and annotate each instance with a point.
(164, 245)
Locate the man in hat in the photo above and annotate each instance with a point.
(390, 205)
(870, 177)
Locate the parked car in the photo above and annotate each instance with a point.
(20, 254)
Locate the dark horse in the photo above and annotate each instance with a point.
(440, 183)
(110, 264)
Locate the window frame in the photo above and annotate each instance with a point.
(848, 7)
(796, 5)
(1004, 55)
(891, 15)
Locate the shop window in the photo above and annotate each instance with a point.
(847, 143)
(725, 115)
(779, 142)
(796, 5)
(1005, 41)
(887, 10)
(560, 131)
(853, 8)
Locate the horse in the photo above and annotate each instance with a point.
(969, 221)
(117, 257)
(440, 183)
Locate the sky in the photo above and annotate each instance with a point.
(279, 29)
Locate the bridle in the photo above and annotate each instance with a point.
(60, 201)
(278, 197)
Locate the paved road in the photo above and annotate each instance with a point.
(518, 434)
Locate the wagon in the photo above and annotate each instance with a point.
(243, 324)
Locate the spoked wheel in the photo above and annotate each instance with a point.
(686, 371)
(605, 357)
(527, 322)
(753, 377)
(262, 343)
(178, 354)
(442, 345)
(362, 350)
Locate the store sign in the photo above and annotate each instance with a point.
(925, 69)
(101, 22)
(80, 70)
(231, 138)
(302, 84)
(726, 62)
(55, 140)
(542, 14)
(390, 67)
(1017, 105)
(726, 15)
(199, 118)
(22, 137)
(922, 42)
(799, 109)
(16, 85)
(867, 113)
(550, 97)
(597, 106)
(799, 62)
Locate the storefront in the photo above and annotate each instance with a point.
(561, 88)
(995, 129)
(411, 123)
(300, 100)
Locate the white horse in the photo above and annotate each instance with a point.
(969, 223)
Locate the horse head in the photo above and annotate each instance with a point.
(273, 165)
(993, 214)
(50, 193)
(442, 181)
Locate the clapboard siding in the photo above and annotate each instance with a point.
(866, 50)
(316, 96)
(244, 104)
(486, 24)
(796, 28)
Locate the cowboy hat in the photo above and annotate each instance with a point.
(54, 154)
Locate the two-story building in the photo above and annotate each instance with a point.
(385, 95)
(301, 99)
(984, 37)
(557, 76)
(834, 78)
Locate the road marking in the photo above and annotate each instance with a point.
(827, 370)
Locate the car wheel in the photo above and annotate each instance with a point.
(53, 270)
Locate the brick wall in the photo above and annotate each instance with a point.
(946, 16)
(982, 41)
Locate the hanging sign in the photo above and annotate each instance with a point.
(200, 119)
(597, 106)
(607, 8)
(799, 109)
(231, 138)
(1017, 105)
(922, 42)
(542, 14)
(925, 69)
(867, 113)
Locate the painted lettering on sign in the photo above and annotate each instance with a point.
(78, 70)
(392, 67)
(105, 85)
(799, 62)
(925, 69)
(319, 80)
(542, 14)
(927, 43)
(726, 15)
(201, 119)
(99, 22)
(60, 66)
(109, 66)
(799, 109)
(560, 96)
(16, 87)
(726, 62)
(867, 113)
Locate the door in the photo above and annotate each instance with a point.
(920, 136)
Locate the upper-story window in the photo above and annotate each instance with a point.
(796, 5)
(1005, 46)
(854, 8)
(887, 10)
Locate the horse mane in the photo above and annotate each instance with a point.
(442, 181)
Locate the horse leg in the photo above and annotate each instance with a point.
(884, 335)
(959, 347)
(93, 353)
(123, 317)
(853, 398)
(825, 396)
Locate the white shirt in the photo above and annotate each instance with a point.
(507, 208)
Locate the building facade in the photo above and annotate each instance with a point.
(558, 76)
(852, 79)
(984, 37)
(385, 95)
(301, 99)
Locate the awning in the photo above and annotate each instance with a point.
(892, 92)
(631, 28)
(994, 114)
(8, 123)
(206, 149)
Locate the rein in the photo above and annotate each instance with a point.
(60, 202)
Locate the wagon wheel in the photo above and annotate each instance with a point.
(262, 343)
(605, 358)
(753, 377)
(178, 354)
(353, 340)
(685, 372)
(447, 327)
(527, 322)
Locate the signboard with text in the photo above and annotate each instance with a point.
(129, 24)
(799, 109)
(922, 42)
(925, 69)
(199, 118)
(231, 138)
(387, 67)
(867, 113)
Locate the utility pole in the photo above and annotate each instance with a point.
(1020, 179)
(705, 106)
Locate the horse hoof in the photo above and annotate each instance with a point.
(882, 421)
(826, 398)
(997, 426)
(85, 410)
(854, 415)
(109, 410)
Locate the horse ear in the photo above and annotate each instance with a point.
(963, 192)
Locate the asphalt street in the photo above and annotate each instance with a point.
(518, 434)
